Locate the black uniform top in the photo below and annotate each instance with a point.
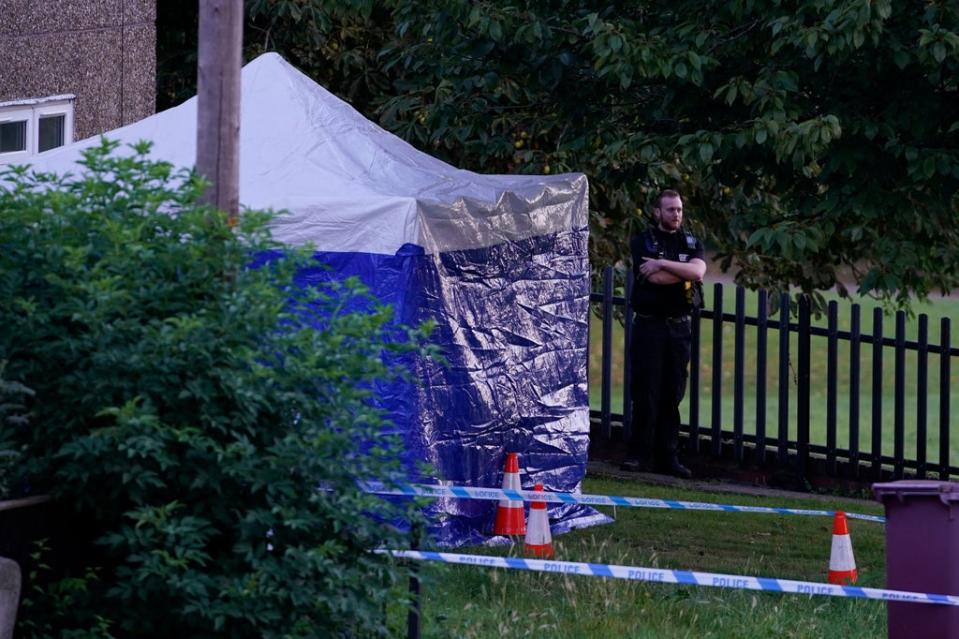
(663, 300)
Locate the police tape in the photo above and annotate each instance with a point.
(681, 577)
(470, 492)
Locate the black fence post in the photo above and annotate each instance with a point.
(739, 357)
(694, 360)
(922, 389)
(783, 433)
(855, 339)
(628, 359)
(607, 364)
(899, 401)
(716, 421)
(802, 391)
(877, 394)
(761, 324)
(832, 361)
(944, 372)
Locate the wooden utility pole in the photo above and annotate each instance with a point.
(219, 59)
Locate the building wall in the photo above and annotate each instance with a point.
(102, 51)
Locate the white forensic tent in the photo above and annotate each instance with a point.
(499, 262)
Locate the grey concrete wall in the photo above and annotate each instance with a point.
(102, 51)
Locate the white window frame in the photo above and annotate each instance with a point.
(32, 110)
(63, 108)
(18, 115)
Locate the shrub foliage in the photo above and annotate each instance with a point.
(187, 409)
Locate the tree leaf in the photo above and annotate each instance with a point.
(706, 152)
(939, 52)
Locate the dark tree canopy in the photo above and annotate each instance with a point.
(806, 135)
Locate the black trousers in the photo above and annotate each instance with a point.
(660, 359)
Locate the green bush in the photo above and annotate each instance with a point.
(187, 409)
(12, 416)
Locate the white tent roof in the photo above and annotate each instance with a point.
(347, 184)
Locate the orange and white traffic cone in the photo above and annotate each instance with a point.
(539, 541)
(510, 519)
(842, 563)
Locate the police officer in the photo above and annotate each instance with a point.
(668, 268)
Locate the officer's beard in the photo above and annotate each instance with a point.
(670, 225)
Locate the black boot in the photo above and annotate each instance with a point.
(675, 468)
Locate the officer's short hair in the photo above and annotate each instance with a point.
(666, 193)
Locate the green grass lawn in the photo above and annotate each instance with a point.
(935, 310)
(465, 601)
